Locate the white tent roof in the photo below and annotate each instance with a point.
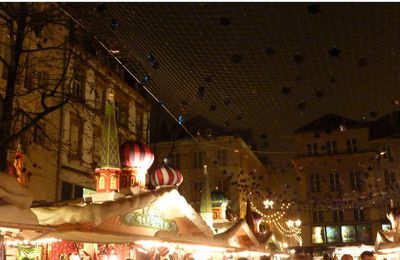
(173, 204)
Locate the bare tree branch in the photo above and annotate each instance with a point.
(59, 47)
(34, 121)
(5, 63)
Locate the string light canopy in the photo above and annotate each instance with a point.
(172, 41)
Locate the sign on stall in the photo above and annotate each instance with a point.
(149, 221)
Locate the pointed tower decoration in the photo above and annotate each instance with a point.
(249, 216)
(108, 173)
(205, 203)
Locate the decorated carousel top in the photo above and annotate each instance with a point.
(166, 176)
(135, 154)
(218, 199)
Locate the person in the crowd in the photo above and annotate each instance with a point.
(367, 255)
(346, 257)
(299, 257)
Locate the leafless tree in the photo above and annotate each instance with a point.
(30, 38)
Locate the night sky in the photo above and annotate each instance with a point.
(270, 67)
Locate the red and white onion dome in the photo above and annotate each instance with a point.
(166, 176)
(136, 155)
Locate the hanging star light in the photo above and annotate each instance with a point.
(268, 204)
(334, 52)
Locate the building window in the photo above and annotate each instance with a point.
(222, 157)
(355, 181)
(351, 145)
(122, 114)
(102, 182)
(386, 151)
(124, 181)
(71, 191)
(338, 215)
(75, 136)
(312, 149)
(100, 96)
(318, 216)
(175, 160)
(140, 123)
(76, 89)
(359, 214)
(113, 182)
(334, 181)
(315, 183)
(40, 80)
(331, 147)
(198, 159)
(390, 178)
(197, 187)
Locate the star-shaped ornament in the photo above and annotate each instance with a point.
(362, 62)
(286, 91)
(269, 51)
(313, 8)
(297, 58)
(268, 204)
(334, 52)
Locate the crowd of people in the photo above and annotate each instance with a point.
(366, 255)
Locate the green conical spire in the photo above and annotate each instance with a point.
(109, 147)
(206, 204)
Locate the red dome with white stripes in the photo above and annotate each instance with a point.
(166, 176)
(136, 155)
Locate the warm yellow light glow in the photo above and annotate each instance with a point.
(141, 177)
(290, 223)
(268, 204)
(31, 242)
(152, 243)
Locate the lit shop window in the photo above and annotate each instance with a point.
(333, 234)
(318, 235)
(102, 182)
(348, 234)
(364, 233)
(113, 182)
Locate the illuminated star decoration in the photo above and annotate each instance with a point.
(313, 8)
(334, 52)
(268, 204)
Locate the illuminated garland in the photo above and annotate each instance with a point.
(294, 232)
(270, 218)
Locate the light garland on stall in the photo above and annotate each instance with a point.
(287, 232)
(31, 242)
(292, 231)
(270, 218)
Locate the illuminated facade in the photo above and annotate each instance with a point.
(63, 149)
(341, 171)
(224, 156)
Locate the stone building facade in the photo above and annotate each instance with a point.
(343, 162)
(61, 150)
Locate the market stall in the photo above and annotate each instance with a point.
(387, 244)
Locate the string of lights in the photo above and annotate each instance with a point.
(269, 218)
